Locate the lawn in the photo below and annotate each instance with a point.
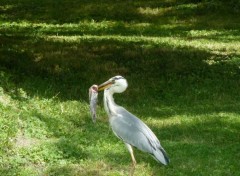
(182, 62)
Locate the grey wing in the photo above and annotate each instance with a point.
(133, 131)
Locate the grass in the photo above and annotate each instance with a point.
(181, 60)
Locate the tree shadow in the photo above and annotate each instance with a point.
(128, 11)
(68, 69)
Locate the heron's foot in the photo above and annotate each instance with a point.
(133, 166)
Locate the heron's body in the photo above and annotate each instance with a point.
(128, 127)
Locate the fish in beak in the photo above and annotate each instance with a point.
(93, 98)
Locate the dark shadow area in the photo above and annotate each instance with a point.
(159, 73)
(64, 11)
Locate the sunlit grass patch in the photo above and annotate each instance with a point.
(160, 11)
(152, 11)
(229, 47)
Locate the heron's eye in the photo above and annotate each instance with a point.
(118, 77)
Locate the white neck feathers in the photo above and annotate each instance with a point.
(109, 103)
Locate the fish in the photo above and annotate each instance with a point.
(93, 99)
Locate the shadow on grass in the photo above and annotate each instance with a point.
(131, 11)
(171, 78)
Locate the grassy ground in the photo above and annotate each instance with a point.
(182, 62)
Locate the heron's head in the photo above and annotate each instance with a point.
(116, 84)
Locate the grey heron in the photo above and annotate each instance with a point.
(127, 127)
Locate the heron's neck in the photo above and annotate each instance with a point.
(109, 103)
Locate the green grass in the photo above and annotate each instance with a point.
(182, 63)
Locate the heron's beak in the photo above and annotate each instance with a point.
(105, 85)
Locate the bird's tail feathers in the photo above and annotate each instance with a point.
(161, 156)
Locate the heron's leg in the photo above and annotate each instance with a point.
(129, 147)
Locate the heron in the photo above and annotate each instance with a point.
(127, 127)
